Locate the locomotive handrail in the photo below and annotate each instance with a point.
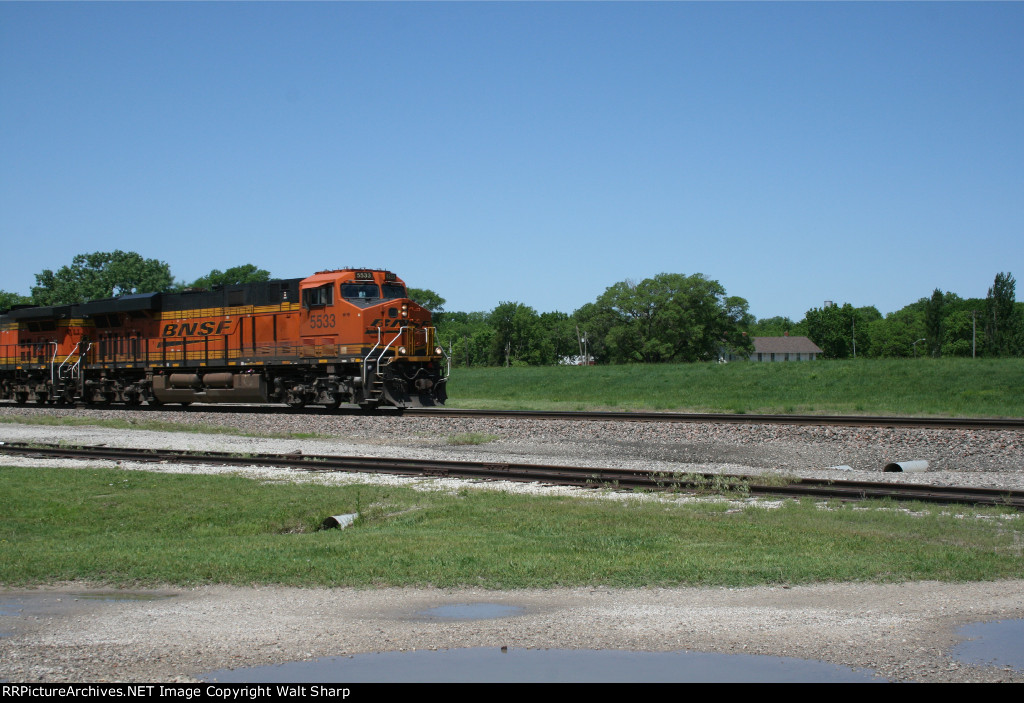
(401, 331)
(74, 366)
(369, 357)
(53, 364)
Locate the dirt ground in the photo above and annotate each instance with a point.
(902, 632)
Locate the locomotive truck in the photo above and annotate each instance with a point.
(343, 336)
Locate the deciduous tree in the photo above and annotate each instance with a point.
(9, 300)
(236, 275)
(101, 275)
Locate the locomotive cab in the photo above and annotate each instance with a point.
(384, 340)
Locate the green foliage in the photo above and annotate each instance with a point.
(236, 275)
(428, 299)
(9, 300)
(775, 327)
(933, 319)
(670, 317)
(520, 336)
(1004, 323)
(960, 334)
(900, 334)
(834, 329)
(101, 275)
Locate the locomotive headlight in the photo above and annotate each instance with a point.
(438, 350)
(401, 351)
(405, 310)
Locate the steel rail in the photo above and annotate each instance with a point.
(549, 474)
(946, 423)
(995, 423)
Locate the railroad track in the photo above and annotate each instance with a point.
(587, 477)
(846, 420)
(587, 416)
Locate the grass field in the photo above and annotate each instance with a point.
(937, 387)
(142, 528)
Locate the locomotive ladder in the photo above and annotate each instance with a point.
(68, 371)
(376, 382)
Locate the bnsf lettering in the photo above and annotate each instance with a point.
(197, 329)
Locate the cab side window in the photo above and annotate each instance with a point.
(318, 297)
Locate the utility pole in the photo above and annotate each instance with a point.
(974, 332)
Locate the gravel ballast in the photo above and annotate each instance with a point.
(902, 631)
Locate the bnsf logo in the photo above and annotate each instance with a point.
(193, 329)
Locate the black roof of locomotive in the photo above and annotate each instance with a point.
(264, 293)
(124, 303)
(45, 312)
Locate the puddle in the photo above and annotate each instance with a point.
(546, 666)
(999, 643)
(37, 605)
(113, 597)
(472, 611)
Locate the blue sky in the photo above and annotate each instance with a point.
(533, 152)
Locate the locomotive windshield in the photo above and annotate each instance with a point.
(371, 291)
(392, 290)
(360, 290)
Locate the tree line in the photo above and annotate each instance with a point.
(942, 324)
(103, 274)
(670, 317)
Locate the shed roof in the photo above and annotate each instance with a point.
(783, 345)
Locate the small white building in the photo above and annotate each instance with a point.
(784, 349)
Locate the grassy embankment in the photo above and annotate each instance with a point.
(139, 528)
(940, 387)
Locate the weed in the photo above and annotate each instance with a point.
(472, 438)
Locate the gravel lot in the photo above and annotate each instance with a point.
(904, 631)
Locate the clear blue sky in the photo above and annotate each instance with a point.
(533, 152)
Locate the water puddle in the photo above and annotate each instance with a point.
(999, 643)
(116, 597)
(29, 605)
(546, 666)
(472, 611)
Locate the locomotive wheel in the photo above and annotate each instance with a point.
(296, 403)
(21, 398)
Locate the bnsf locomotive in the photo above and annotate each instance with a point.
(349, 336)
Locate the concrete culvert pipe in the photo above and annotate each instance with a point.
(901, 466)
(338, 521)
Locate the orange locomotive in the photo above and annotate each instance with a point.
(348, 336)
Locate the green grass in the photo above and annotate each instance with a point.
(141, 528)
(936, 387)
(468, 438)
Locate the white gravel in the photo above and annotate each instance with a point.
(903, 631)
